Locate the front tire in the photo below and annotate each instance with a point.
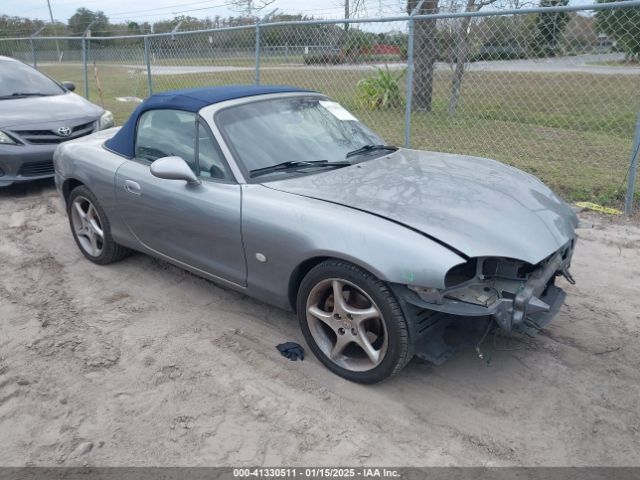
(91, 228)
(353, 322)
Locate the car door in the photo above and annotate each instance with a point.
(196, 225)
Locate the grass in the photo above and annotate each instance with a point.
(572, 130)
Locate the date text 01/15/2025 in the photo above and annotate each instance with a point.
(313, 472)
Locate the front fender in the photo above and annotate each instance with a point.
(289, 229)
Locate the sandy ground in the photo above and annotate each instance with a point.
(141, 363)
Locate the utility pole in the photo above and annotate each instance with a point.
(33, 47)
(53, 23)
(346, 14)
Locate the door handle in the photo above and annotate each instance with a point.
(132, 187)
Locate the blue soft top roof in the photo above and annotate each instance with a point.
(190, 100)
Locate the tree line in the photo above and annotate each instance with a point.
(456, 41)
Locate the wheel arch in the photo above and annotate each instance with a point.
(305, 266)
(68, 186)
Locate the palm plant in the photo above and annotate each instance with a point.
(382, 91)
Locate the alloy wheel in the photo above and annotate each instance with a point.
(87, 226)
(347, 325)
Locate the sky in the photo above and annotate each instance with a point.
(121, 11)
(155, 10)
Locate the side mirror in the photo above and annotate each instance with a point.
(69, 86)
(174, 168)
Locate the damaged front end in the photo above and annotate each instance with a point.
(516, 295)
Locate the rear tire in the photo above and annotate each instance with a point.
(91, 229)
(364, 337)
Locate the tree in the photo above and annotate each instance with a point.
(310, 35)
(18, 26)
(424, 54)
(188, 23)
(462, 51)
(134, 28)
(351, 9)
(622, 24)
(357, 42)
(250, 7)
(580, 34)
(83, 17)
(549, 28)
(509, 33)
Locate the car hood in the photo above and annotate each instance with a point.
(476, 206)
(34, 110)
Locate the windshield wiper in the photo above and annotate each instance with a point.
(370, 148)
(25, 94)
(279, 167)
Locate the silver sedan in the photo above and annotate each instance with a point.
(284, 195)
(37, 114)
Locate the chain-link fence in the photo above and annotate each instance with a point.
(552, 90)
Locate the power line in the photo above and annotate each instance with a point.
(168, 7)
(124, 15)
(392, 6)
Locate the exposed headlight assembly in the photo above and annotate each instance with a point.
(480, 281)
(106, 120)
(6, 139)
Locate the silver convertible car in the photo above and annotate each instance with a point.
(284, 195)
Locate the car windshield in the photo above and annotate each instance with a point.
(18, 80)
(296, 131)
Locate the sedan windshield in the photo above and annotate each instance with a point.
(296, 134)
(18, 80)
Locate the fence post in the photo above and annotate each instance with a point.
(271, 13)
(633, 169)
(33, 46)
(409, 93)
(258, 53)
(85, 59)
(33, 53)
(85, 71)
(148, 63)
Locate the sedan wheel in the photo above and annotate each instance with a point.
(87, 226)
(353, 322)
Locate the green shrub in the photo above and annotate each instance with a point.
(357, 42)
(381, 91)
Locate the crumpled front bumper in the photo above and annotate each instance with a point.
(526, 314)
(538, 302)
(535, 303)
(554, 297)
(528, 310)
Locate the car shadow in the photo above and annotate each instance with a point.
(488, 356)
(28, 189)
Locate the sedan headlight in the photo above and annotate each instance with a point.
(6, 139)
(106, 120)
